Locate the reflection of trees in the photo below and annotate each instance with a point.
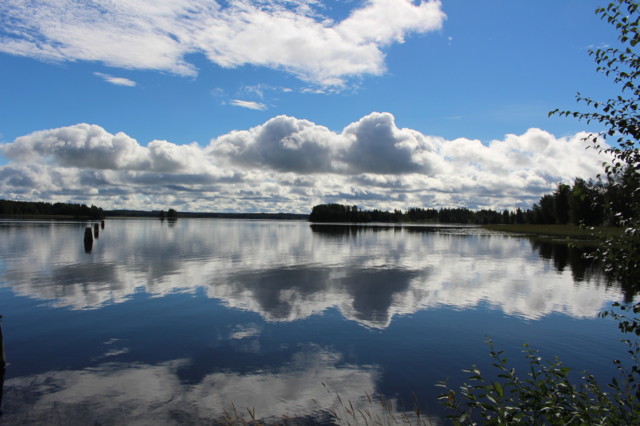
(327, 230)
(559, 253)
(582, 266)
(346, 230)
(562, 255)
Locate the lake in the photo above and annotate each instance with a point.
(174, 323)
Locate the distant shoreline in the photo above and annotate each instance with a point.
(46, 217)
(156, 215)
(186, 215)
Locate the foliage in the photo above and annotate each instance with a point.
(546, 395)
(580, 204)
(341, 213)
(629, 324)
(351, 214)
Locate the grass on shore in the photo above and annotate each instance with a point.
(566, 233)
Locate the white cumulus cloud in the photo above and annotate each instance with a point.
(290, 164)
(283, 143)
(158, 35)
(86, 146)
(376, 145)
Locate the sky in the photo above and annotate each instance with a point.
(276, 106)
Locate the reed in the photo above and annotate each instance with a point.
(367, 411)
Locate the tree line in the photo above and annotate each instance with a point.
(40, 208)
(585, 202)
(590, 203)
(344, 213)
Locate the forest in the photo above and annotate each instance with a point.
(39, 208)
(589, 203)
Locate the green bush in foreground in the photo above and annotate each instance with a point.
(545, 395)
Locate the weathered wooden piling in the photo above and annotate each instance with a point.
(88, 234)
(96, 230)
(102, 224)
(88, 239)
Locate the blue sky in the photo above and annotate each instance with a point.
(280, 105)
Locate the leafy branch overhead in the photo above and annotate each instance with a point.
(619, 114)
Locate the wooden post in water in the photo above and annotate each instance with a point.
(88, 239)
(88, 234)
(96, 230)
(102, 224)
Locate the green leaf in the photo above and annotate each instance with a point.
(498, 388)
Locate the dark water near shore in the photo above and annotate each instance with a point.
(172, 323)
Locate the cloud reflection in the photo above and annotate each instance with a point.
(287, 271)
(118, 393)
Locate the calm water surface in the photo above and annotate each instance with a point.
(165, 323)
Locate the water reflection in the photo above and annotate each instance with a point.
(121, 393)
(2, 364)
(171, 324)
(577, 260)
(290, 271)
